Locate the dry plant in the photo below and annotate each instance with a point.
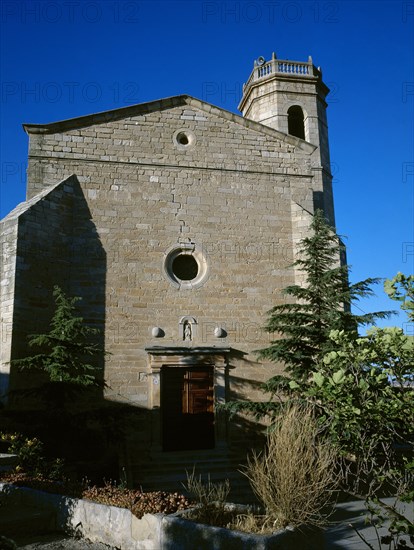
(211, 498)
(295, 477)
(252, 523)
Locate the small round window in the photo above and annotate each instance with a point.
(184, 139)
(185, 266)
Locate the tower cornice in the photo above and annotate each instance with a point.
(283, 70)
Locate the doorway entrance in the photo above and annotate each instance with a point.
(187, 408)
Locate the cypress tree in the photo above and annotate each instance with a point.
(65, 354)
(323, 303)
(318, 306)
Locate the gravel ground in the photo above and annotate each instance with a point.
(58, 542)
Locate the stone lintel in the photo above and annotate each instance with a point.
(172, 350)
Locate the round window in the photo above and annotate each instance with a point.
(185, 266)
(184, 139)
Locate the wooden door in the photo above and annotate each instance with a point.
(187, 408)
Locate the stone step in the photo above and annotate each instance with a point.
(240, 490)
(167, 463)
(179, 472)
(209, 454)
(189, 465)
(173, 478)
(219, 473)
(168, 470)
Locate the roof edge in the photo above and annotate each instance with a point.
(24, 206)
(105, 116)
(161, 104)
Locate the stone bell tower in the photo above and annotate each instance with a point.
(290, 96)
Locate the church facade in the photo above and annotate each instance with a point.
(176, 223)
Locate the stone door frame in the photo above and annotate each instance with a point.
(217, 358)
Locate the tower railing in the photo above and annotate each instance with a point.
(282, 66)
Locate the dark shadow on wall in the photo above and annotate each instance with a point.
(57, 245)
(240, 386)
(4, 385)
(91, 441)
(318, 200)
(322, 200)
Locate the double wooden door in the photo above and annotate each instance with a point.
(187, 408)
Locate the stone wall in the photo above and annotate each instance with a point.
(145, 181)
(8, 244)
(230, 192)
(118, 527)
(45, 243)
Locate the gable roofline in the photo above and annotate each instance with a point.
(161, 105)
(24, 206)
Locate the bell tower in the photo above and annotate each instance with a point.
(290, 96)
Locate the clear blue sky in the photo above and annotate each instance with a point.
(65, 58)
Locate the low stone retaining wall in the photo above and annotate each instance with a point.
(96, 522)
(181, 534)
(120, 528)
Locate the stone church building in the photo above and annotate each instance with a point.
(176, 222)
